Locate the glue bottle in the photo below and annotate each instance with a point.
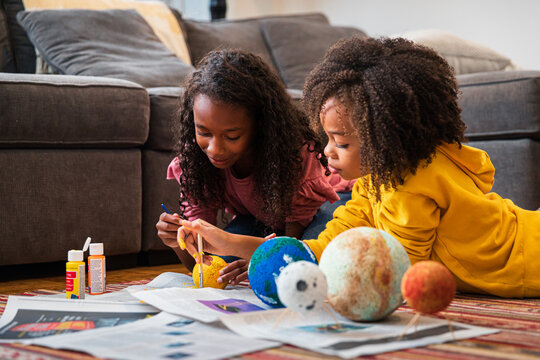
(96, 270)
(75, 279)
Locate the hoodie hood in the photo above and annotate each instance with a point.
(474, 162)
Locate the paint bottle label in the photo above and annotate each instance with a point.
(96, 269)
(75, 280)
(96, 275)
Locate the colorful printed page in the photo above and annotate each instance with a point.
(34, 317)
(328, 333)
(164, 336)
(206, 304)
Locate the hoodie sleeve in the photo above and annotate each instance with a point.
(413, 220)
(356, 212)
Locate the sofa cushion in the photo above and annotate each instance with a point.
(52, 199)
(501, 105)
(156, 189)
(297, 46)
(71, 111)
(23, 50)
(465, 56)
(7, 60)
(112, 43)
(203, 37)
(516, 169)
(164, 104)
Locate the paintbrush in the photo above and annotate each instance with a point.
(199, 244)
(200, 250)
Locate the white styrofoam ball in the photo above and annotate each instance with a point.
(301, 286)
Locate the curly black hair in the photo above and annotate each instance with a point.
(400, 97)
(243, 79)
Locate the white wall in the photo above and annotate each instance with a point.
(510, 27)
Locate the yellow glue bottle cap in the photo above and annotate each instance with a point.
(75, 255)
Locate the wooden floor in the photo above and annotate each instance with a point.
(113, 276)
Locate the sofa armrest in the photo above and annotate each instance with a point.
(71, 111)
(501, 104)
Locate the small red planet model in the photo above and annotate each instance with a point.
(428, 287)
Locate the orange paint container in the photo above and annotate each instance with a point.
(96, 270)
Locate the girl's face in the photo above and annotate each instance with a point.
(223, 132)
(343, 148)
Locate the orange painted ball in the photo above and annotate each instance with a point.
(428, 287)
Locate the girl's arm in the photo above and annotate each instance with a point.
(217, 241)
(356, 212)
(413, 219)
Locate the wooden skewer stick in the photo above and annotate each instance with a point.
(414, 320)
(281, 317)
(326, 307)
(450, 327)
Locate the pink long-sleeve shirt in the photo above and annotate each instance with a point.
(240, 198)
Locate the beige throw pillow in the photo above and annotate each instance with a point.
(464, 55)
(155, 13)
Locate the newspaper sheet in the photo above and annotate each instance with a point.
(344, 338)
(206, 304)
(164, 336)
(28, 317)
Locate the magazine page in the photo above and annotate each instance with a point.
(164, 336)
(205, 304)
(29, 317)
(330, 334)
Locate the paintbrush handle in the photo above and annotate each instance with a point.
(199, 244)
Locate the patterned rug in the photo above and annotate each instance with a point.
(519, 338)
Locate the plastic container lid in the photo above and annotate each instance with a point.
(75, 255)
(96, 249)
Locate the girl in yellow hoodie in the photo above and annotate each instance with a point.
(389, 109)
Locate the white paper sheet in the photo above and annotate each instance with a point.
(319, 332)
(28, 317)
(255, 326)
(205, 304)
(164, 336)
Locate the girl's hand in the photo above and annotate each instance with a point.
(167, 226)
(237, 271)
(234, 272)
(215, 240)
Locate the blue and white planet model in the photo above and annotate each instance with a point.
(267, 262)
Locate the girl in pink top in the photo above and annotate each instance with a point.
(243, 146)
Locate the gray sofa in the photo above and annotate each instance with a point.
(87, 155)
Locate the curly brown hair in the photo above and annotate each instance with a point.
(400, 97)
(282, 130)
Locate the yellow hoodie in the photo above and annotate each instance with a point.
(446, 213)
